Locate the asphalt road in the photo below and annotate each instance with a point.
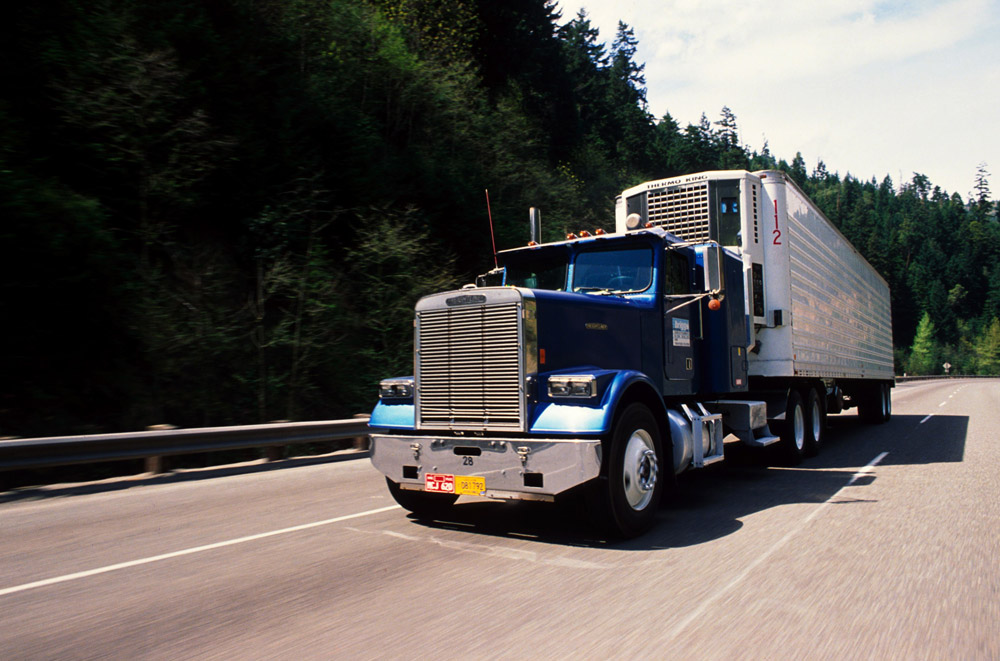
(886, 546)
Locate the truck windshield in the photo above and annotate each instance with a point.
(626, 270)
(536, 270)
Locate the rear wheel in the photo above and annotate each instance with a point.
(815, 419)
(625, 501)
(875, 405)
(793, 429)
(424, 505)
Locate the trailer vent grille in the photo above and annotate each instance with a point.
(681, 210)
(756, 227)
(468, 368)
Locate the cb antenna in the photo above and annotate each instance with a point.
(496, 264)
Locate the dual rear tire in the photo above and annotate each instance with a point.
(875, 404)
(804, 425)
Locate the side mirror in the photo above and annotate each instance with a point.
(492, 278)
(712, 264)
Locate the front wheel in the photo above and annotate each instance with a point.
(424, 505)
(625, 501)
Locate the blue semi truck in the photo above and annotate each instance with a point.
(723, 308)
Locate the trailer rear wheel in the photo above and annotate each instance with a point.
(424, 505)
(815, 419)
(875, 405)
(793, 429)
(625, 501)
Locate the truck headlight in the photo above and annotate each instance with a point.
(584, 385)
(395, 389)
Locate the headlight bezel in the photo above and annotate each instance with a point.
(396, 389)
(572, 386)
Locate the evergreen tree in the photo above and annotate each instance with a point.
(988, 349)
(982, 186)
(924, 353)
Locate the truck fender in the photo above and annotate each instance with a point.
(596, 416)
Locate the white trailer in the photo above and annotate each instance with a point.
(816, 309)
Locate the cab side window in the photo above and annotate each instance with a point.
(677, 274)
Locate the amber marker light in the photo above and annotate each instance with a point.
(599, 232)
(541, 356)
(714, 304)
(584, 234)
(570, 236)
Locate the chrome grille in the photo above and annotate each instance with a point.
(681, 210)
(468, 367)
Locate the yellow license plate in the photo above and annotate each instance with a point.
(469, 485)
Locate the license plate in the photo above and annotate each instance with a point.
(457, 484)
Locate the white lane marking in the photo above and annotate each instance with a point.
(867, 468)
(196, 549)
(718, 594)
(927, 418)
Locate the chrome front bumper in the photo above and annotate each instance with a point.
(514, 468)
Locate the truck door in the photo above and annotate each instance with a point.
(680, 322)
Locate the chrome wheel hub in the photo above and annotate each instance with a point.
(639, 470)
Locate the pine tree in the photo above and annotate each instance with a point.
(923, 357)
(982, 185)
(988, 349)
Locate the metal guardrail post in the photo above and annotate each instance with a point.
(157, 464)
(361, 442)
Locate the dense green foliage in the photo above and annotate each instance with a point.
(222, 212)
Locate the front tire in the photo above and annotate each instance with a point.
(424, 505)
(625, 501)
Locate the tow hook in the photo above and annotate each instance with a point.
(523, 453)
(416, 451)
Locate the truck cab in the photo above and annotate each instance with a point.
(519, 390)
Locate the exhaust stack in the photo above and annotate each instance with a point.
(535, 225)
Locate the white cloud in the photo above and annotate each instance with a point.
(872, 87)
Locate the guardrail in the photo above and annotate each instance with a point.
(904, 379)
(154, 445)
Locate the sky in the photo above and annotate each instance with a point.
(870, 88)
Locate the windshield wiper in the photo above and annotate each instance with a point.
(602, 291)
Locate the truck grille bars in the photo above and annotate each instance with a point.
(681, 210)
(469, 372)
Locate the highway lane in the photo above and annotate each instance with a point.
(884, 546)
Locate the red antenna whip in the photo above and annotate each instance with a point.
(489, 213)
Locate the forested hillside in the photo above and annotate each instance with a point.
(222, 211)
